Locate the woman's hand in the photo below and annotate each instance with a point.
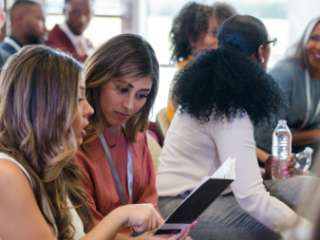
(141, 217)
(289, 169)
(182, 235)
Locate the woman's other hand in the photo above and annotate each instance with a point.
(289, 169)
(141, 217)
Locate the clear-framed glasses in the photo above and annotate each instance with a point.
(273, 41)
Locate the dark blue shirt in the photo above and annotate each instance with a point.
(8, 48)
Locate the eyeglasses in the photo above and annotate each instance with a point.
(273, 41)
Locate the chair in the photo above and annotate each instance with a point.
(155, 150)
(162, 123)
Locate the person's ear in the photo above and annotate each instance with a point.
(3, 18)
(261, 53)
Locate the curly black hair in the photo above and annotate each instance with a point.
(220, 84)
(191, 23)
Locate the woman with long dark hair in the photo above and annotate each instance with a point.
(220, 96)
(122, 79)
(43, 113)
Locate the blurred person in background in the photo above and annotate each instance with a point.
(219, 99)
(195, 28)
(3, 54)
(27, 26)
(68, 36)
(299, 78)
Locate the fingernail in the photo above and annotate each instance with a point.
(288, 176)
(289, 160)
(284, 168)
(274, 159)
(285, 173)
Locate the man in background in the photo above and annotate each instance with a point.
(3, 54)
(27, 26)
(68, 36)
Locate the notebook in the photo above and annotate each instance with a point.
(199, 199)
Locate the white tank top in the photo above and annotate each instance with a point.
(76, 221)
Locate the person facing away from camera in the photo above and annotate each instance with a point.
(195, 28)
(219, 99)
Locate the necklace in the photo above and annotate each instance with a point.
(112, 146)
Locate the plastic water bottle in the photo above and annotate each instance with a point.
(303, 160)
(281, 148)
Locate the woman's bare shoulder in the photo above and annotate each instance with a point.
(11, 174)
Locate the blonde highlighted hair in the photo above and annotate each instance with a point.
(39, 101)
(126, 56)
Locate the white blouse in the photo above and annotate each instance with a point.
(193, 150)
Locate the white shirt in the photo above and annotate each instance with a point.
(76, 220)
(75, 40)
(193, 150)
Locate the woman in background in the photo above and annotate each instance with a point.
(43, 113)
(299, 77)
(195, 28)
(219, 97)
(122, 78)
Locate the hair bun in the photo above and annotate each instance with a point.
(236, 39)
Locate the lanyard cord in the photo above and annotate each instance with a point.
(115, 174)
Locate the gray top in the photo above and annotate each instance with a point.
(293, 81)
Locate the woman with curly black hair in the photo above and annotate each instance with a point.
(195, 28)
(220, 96)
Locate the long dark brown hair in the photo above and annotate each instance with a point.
(39, 101)
(122, 57)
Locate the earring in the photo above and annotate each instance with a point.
(262, 60)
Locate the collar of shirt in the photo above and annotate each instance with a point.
(16, 41)
(73, 38)
(13, 43)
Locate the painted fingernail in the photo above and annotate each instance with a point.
(288, 176)
(289, 160)
(285, 173)
(274, 159)
(284, 168)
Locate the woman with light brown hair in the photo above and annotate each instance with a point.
(43, 113)
(122, 79)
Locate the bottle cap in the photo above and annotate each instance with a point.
(282, 121)
(308, 150)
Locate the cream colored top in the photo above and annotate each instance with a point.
(76, 221)
(193, 150)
